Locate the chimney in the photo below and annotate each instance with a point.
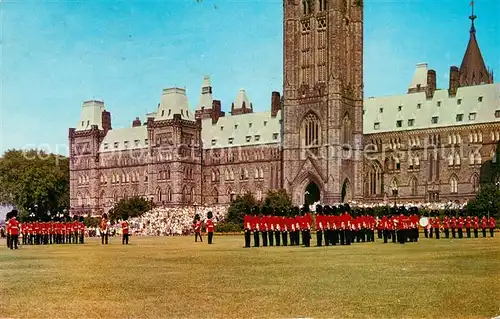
(431, 84)
(136, 122)
(454, 81)
(275, 103)
(106, 121)
(216, 111)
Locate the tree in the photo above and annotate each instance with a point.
(241, 206)
(278, 203)
(35, 181)
(130, 207)
(487, 201)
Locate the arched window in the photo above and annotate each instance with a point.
(159, 195)
(311, 131)
(191, 195)
(79, 199)
(475, 137)
(259, 195)
(246, 173)
(477, 158)
(493, 156)
(215, 195)
(457, 159)
(322, 5)
(454, 184)
(346, 130)
(79, 180)
(450, 159)
(184, 194)
(416, 162)
(261, 173)
(226, 175)
(231, 174)
(256, 173)
(471, 158)
(168, 196)
(305, 7)
(375, 180)
(397, 164)
(414, 186)
(127, 178)
(394, 187)
(167, 173)
(213, 176)
(475, 183)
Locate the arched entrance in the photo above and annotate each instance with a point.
(312, 194)
(346, 191)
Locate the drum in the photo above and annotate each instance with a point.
(424, 221)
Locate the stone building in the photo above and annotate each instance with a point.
(319, 141)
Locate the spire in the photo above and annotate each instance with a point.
(473, 70)
(472, 17)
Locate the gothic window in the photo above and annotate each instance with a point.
(185, 194)
(394, 187)
(215, 195)
(256, 173)
(261, 173)
(159, 196)
(414, 186)
(477, 158)
(213, 176)
(493, 156)
(306, 7)
(397, 164)
(259, 194)
(416, 162)
(322, 5)
(471, 158)
(169, 195)
(79, 199)
(475, 183)
(191, 195)
(246, 173)
(226, 175)
(346, 130)
(231, 175)
(457, 159)
(311, 131)
(376, 179)
(454, 184)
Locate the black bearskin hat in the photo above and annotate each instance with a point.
(209, 215)
(104, 216)
(319, 209)
(82, 219)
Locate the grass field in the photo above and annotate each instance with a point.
(175, 277)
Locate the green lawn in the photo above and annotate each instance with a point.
(175, 277)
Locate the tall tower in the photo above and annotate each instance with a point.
(323, 100)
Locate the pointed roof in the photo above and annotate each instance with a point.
(206, 97)
(473, 70)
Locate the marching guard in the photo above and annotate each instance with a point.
(210, 227)
(104, 229)
(125, 232)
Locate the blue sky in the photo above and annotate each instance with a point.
(56, 54)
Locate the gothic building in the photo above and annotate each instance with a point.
(319, 141)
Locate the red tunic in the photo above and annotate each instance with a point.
(210, 226)
(124, 227)
(492, 222)
(13, 227)
(247, 222)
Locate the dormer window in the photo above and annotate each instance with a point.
(257, 137)
(400, 108)
(222, 128)
(116, 144)
(146, 142)
(381, 110)
(235, 126)
(434, 119)
(265, 123)
(170, 112)
(275, 136)
(419, 86)
(136, 143)
(162, 112)
(376, 125)
(480, 99)
(83, 123)
(230, 140)
(182, 112)
(497, 113)
(250, 124)
(399, 123)
(126, 144)
(460, 117)
(248, 138)
(472, 116)
(439, 103)
(419, 106)
(106, 146)
(411, 122)
(214, 141)
(459, 101)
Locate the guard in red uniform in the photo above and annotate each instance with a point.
(82, 230)
(256, 230)
(298, 230)
(453, 226)
(460, 227)
(319, 225)
(197, 228)
(384, 224)
(492, 226)
(104, 229)
(484, 225)
(248, 230)
(446, 225)
(468, 225)
(210, 227)
(13, 231)
(270, 229)
(291, 228)
(264, 229)
(124, 232)
(437, 226)
(476, 227)
(277, 230)
(284, 230)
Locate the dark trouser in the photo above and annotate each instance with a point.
(247, 238)
(453, 233)
(468, 232)
(379, 233)
(426, 232)
(292, 238)
(270, 233)
(8, 240)
(38, 239)
(277, 237)
(264, 238)
(256, 238)
(342, 237)
(13, 241)
(303, 237)
(447, 232)
(76, 237)
(393, 235)
(492, 231)
(484, 232)
(436, 231)
(385, 235)
(210, 238)
(401, 236)
(82, 237)
(284, 237)
(25, 239)
(297, 238)
(104, 238)
(431, 232)
(196, 236)
(319, 238)
(334, 238)
(460, 233)
(476, 232)
(125, 239)
(307, 237)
